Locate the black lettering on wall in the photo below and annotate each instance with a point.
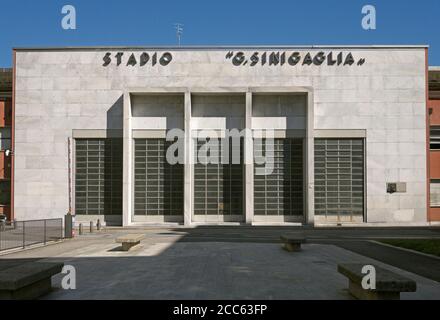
(107, 59)
(339, 58)
(263, 59)
(308, 59)
(330, 60)
(132, 60)
(144, 59)
(319, 58)
(294, 59)
(238, 59)
(349, 60)
(254, 59)
(166, 59)
(119, 58)
(274, 58)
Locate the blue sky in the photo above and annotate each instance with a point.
(225, 22)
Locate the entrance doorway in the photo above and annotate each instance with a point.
(279, 193)
(218, 187)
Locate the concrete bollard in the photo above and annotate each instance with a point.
(91, 226)
(98, 225)
(80, 229)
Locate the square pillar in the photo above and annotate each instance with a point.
(127, 171)
(188, 166)
(310, 161)
(249, 162)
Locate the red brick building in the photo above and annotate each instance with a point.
(5, 140)
(434, 142)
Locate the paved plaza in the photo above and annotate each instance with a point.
(200, 264)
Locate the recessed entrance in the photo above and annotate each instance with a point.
(158, 184)
(279, 192)
(279, 181)
(218, 189)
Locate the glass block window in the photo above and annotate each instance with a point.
(339, 177)
(158, 185)
(218, 188)
(280, 192)
(98, 176)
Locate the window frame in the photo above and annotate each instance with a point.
(8, 191)
(3, 139)
(436, 129)
(112, 189)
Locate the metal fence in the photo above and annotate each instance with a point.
(20, 234)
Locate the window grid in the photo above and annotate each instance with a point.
(158, 184)
(98, 176)
(218, 188)
(280, 192)
(339, 177)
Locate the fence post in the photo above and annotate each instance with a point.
(68, 226)
(44, 232)
(24, 239)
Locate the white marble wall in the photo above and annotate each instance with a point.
(277, 112)
(158, 112)
(61, 90)
(218, 111)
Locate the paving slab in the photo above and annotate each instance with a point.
(178, 263)
(218, 271)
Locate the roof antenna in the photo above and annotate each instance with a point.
(179, 31)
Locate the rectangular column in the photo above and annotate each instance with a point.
(310, 161)
(188, 167)
(249, 162)
(127, 181)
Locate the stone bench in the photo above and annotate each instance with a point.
(389, 284)
(128, 241)
(28, 281)
(292, 242)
